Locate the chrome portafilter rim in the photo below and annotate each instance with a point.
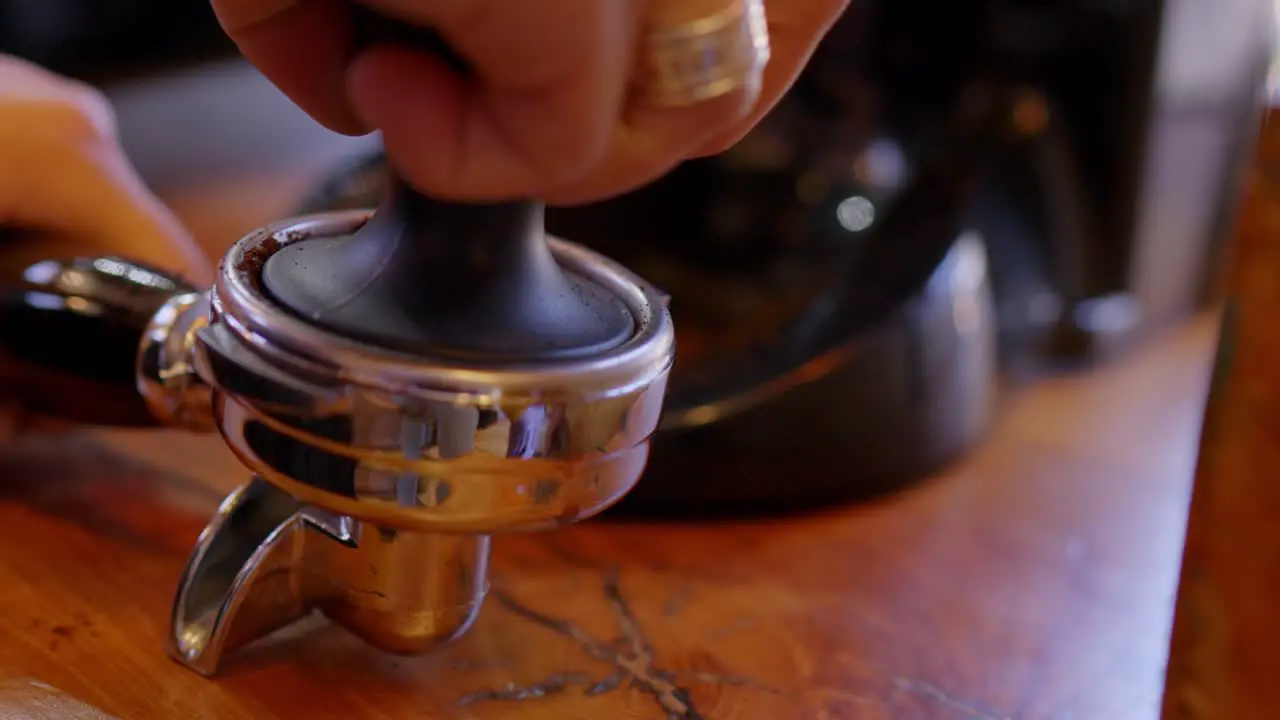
(240, 299)
(566, 439)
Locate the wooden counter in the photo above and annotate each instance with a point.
(1034, 580)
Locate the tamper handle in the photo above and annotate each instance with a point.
(434, 278)
(445, 279)
(70, 333)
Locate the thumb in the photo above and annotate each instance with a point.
(538, 108)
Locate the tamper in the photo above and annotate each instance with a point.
(401, 384)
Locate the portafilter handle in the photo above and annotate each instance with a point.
(70, 335)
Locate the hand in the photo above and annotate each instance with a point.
(546, 114)
(67, 189)
(66, 185)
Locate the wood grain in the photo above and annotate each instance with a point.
(1223, 661)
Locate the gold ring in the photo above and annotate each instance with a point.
(685, 64)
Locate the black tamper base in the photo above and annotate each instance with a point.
(475, 282)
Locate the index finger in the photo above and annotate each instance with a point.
(302, 47)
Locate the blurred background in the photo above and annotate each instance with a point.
(956, 196)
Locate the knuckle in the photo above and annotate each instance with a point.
(726, 110)
(687, 130)
(731, 117)
(681, 128)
